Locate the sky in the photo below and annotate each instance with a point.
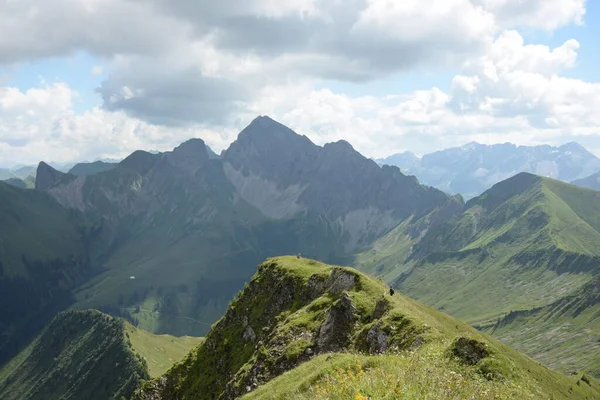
(92, 79)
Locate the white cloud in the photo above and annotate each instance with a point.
(540, 14)
(206, 69)
(40, 124)
(97, 70)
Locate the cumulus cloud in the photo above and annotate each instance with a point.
(540, 14)
(32, 29)
(512, 93)
(182, 68)
(40, 124)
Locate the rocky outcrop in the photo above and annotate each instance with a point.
(334, 333)
(377, 340)
(340, 281)
(469, 351)
(381, 308)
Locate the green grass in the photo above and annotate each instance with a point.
(564, 335)
(527, 243)
(385, 257)
(418, 375)
(286, 314)
(160, 351)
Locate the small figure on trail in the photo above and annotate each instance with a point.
(299, 255)
(391, 292)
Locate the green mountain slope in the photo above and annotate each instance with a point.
(44, 254)
(80, 355)
(525, 244)
(340, 334)
(159, 352)
(562, 335)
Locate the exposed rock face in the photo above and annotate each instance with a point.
(381, 308)
(377, 340)
(271, 200)
(340, 281)
(189, 156)
(249, 334)
(282, 173)
(334, 334)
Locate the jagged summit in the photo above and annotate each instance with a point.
(194, 146)
(341, 146)
(140, 161)
(191, 149)
(46, 177)
(266, 134)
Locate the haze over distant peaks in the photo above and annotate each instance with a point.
(474, 167)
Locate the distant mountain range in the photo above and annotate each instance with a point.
(474, 168)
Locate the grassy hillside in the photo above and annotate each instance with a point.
(43, 255)
(159, 351)
(80, 355)
(562, 335)
(340, 334)
(524, 245)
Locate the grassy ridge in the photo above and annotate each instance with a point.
(80, 355)
(525, 244)
(280, 322)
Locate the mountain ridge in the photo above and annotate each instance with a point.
(80, 354)
(210, 220)
(526, 243)
(300, 313)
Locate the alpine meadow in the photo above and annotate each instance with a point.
(319, 199)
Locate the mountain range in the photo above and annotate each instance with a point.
(177, 234)
(473, 168)
(167, 240)
(520, 261)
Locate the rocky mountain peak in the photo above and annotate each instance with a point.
(46, 177)
(574, 147)
(140, 161)
(189, 156)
